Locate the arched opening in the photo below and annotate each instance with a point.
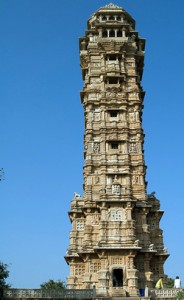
(104, 33)
(112, 33)
(111, 18)
(104, 18)
(117, 278)
(118, 18)
(119, 33)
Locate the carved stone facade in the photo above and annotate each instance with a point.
(116, 243)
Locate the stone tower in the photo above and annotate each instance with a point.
(116, 243)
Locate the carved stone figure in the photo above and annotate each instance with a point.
(76, 195)
(96, 147)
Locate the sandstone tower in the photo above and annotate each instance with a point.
(116, 243)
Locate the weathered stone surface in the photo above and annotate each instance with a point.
(116, 243)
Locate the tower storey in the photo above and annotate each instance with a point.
(116, 242)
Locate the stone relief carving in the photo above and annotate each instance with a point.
(132, 147)
(94, 87)
(90, 116)
(115, 94)
(96, 64)
(136, 243)
(95, 80)
(97, 116)
(80, 225)
(100, 46)
(76, 195)
(134, 116)
(83, 45)
(152, 195)
(97, 179)
(116, 189)
(113, 89)
(96, 147)
(95, 219)
(137, 179)
(84, 61)
(121, 95)
(151, 246)
(132, 88)
(115, 178)
(92, 96)
(89, 180)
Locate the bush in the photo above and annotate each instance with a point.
(53, 285)
(180, 295)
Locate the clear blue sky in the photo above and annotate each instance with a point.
(41, 128)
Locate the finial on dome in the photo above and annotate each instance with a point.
(111, 5)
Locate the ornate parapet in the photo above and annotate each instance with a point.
(79, 294)
(164, 293)
(49, 294)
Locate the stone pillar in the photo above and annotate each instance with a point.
(102, 286)
(140, 45)
(83, 45)
(132, 277)
(100, 32)
(87, 281)
(123, 33)
(87, 235)
(148, 273)
(102, 231)
(129, 211)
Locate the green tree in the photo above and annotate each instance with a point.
(180, 295)
(4, 273)
(169, 282)
(53, 285)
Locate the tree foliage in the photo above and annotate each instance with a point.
(53, 285)
(169, 282)
(4, 273)
(180, 295)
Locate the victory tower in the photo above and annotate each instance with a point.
(116, 243)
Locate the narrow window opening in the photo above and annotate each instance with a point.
(112, 33)
(112, 57)
(111, 18)
(117, 277)
(113, 80)
(104, 34)
(118, 18)
(119, 33)
(114, 145)
(113, 113)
